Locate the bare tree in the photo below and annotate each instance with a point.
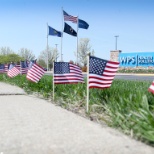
(51, 55)
(5, 51)
(83, 48)
(26, 54)
(41, 62)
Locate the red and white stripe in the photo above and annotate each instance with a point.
(35, 73)
(104, 80)
(70, 18)
(13, 72)
(75, 76)
(151, 88)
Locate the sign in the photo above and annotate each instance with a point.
(141, 59)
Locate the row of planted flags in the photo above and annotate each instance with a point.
(100, 73)
(33, 71)
(67, 28)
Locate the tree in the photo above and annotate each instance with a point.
(26, 54)
(52, 55)
(41, 62)
(5, 51)
(83, 49)
(10, 58)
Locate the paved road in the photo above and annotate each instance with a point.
(127, 76)
(29, 125)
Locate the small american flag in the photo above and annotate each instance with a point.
(68, 17)
(18, 66)
(101, 72)
(35, 72)
(13, 71)
(6, 68)
(2, 68)
(65, 72)
(23, 67)
(151, 88)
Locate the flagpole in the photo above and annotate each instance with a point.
(47, 48)
(62, 34)
(53, 81)
(77, 42)
(87, 105)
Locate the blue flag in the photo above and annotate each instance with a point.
(69, 30)
(82, 24)
(54, 32)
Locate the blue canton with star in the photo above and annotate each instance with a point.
(61, 68)
(24, 64)
(97, 65)
(2, 66)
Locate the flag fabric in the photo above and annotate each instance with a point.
(151, 88)
(67, 73)
(2, 68)
(54, 32)
(82, 24)
(69, 30)
(23, 67)
(68, 17)
(13, 71)
(6, 68)
(35, 72)
(101, 72)
(18, 66)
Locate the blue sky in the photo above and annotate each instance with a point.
(24, 24)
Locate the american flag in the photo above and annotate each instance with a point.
(18, 66)
(68, 17)
(13, 71)
(6, 68)
(151, 88)
(65, 72)
(23, 67)
(35, 72)
(101, 72)
(2, 68)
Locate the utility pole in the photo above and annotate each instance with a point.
(56, 52)
(116, 36)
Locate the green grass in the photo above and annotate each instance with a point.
(127, 105)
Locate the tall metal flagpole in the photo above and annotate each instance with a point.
(47, 49)
(87, 105)
(77, 41)
(62, 34)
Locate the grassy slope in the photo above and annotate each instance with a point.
(127, 104)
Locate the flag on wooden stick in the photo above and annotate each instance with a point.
(35, 72)
(13, 71)
(151, 88)
(100, 74)
(67, 73)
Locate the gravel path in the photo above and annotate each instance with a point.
(29, 125)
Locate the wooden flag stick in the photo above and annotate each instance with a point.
(53, 81)
(87, 105)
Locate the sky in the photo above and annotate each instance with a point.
(23, 24)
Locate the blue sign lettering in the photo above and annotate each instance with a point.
(143, 59)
